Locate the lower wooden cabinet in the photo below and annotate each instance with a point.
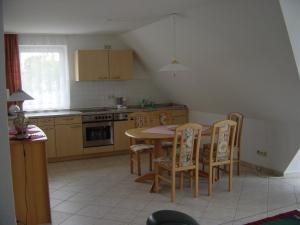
(50, 144)
(121, 141)
(179, 116)
(30, 182)
(65, 139)
(68, 140)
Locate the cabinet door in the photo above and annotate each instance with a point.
(91, 65)
(120, 64)
(121, 141)
(153, 119)
(50, 144)
(69, 140)
(179, 116)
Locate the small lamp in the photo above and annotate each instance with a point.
(19, 97)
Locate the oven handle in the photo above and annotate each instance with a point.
(93, 124)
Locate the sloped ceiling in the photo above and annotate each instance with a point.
(239, 56)
(290, 10)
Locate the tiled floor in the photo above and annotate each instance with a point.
(102, 192)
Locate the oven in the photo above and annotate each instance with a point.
(97, 130)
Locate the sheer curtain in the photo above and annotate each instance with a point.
(44, 74)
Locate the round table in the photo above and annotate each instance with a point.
(154, 135)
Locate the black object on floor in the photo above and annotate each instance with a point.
(170, 217)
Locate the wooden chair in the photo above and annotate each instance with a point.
(140, 119)
(184, 158)
(165, 118)
(239, 119)
(220, 152)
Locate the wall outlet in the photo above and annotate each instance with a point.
(262, 153)
(111, 96)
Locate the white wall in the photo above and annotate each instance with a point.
(290, 10)
(96, 93)
(240, 59)
(7, 213)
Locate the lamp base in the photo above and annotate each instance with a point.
(13, 110)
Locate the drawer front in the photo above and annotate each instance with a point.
(46, 121)
(179, 112)
(33, 122)
(67, 120)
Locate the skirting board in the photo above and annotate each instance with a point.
(262, 170)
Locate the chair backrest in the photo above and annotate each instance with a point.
(186, 145)
(141, 119)
(165, 117)
(239, 119)
(222, 139)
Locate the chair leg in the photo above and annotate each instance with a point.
(173, 183)
(191, 179)
(181, 180)
(238, 161)
(210, 180)
(196, 191)
(150, 161)
(218, 173)
(156, 179)
(138, 156)
(131, 162)
(230, 177)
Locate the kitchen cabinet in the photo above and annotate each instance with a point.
(50, 144)
(47, 125)
(121, 141)
(103, 65)
(68, 136)
(91, 65)
(30, 180)
(153, 119)
(179, 116)
(120, 64)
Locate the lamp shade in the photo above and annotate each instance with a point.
(174, 66)
(19, 96)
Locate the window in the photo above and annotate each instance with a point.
(44, 74)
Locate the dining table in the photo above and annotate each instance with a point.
(157, 135)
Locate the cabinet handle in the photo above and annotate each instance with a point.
(75, 126)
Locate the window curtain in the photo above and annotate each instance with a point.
(12, 62)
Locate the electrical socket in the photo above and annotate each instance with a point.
(112, 96)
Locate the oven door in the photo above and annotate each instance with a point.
(97, 134)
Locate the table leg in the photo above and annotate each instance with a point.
(150, 176)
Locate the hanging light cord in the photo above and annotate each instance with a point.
(173, 20)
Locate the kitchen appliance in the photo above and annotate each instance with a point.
(121, 102)
(97, 128)
(120, 116)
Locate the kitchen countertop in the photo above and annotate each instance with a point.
(73, 112)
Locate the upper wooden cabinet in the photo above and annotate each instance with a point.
(103, 65)
(120, 64)
(91, 65)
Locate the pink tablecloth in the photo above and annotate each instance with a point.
(161, 130)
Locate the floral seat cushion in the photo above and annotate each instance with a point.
(141, 147)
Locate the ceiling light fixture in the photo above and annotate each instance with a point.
(174, 66)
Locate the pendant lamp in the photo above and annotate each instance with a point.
(174, 66)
